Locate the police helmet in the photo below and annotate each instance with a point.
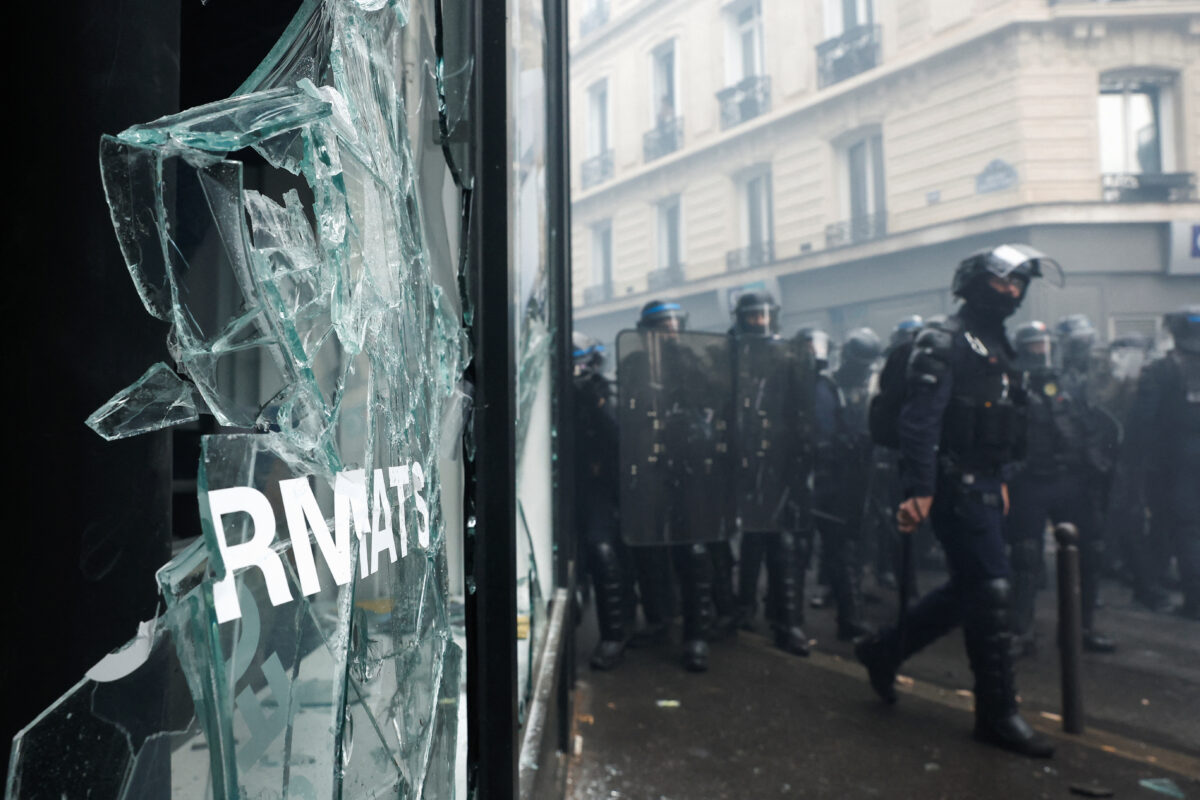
(862, 347)
(1076, 337)
(1018, 262)
(1184, 326)
(1033, 344)
(817, 343)
(906, 330)
(756, 314)
(588, 354)
(662, 315)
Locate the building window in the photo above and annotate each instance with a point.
(601, 288)
(757, 223)
(744, 58)
(748, 91)
(667, 134)
(669, 270)
(846, 15)
(1137, 145)
(598, 166)
(664, 98)
(863, 194)
(852, 41)
(595, 14)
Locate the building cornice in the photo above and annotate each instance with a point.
(1023, 216)
(970, 36)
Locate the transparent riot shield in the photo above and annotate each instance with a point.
(772, 387)
(674, 414)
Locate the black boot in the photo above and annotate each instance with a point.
(985, 628)
(847, 589)
(611, 606)
(787, 593)
(695, 568)
(878, 655)
(1091, 557)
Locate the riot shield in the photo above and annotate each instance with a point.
(675, 421)
(772, 389)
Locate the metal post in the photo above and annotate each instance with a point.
(558, 213)
(491, 554)
(1070, 626)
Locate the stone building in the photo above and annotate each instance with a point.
(845, 154)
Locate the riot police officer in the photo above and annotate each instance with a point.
(1165, 433)
(905, 331)
(1055, 479)
(671, 378)
(769, 403)
(596, 500)
(958, 428)
(844, 481)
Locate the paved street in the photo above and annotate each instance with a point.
(762, 723)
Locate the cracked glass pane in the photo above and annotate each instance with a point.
(310, 642)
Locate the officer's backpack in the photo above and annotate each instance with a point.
(883, 416)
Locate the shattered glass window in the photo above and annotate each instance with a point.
(310, 643)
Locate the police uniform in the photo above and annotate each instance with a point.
(1164, 429)
(959, 429)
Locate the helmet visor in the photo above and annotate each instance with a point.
(1021, 260)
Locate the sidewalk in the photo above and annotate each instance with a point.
(762, 723)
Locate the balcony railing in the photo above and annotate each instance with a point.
(596, 169)
(855, 51)
(664, 278)
(754, 255)
(598, 293)
(1148, 187)
(855, 230)
(666, 138)
(594, 19)
(745, 100)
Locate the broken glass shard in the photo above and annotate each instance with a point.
(157, 400)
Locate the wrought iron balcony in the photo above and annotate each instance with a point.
(665, 278)
(856, 230)
(745, 100)
(855, 51)
(754, 255)
(666, 138)
(594, 19)
(596, 169)
(598, 293)
(1148, 187)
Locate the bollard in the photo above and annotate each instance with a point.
(1070, 626)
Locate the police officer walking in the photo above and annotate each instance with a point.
(958, 429)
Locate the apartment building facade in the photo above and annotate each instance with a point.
(845, 154)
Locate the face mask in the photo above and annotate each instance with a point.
(990, 304)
